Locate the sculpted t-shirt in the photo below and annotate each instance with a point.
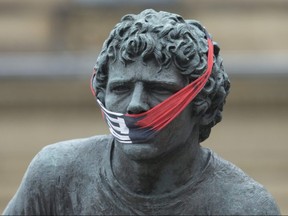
(75, 178)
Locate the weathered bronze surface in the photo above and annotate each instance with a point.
(147, 58)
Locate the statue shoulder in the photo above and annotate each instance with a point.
(54, 166)
(262, 202)
(238, 193)
(251, 198)
(71, 149)
(69, 152)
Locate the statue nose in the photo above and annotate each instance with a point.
(138, 102)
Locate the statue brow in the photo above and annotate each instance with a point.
(172, 84)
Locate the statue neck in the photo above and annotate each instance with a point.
(159, 175)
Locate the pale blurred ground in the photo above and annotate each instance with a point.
(48, 48)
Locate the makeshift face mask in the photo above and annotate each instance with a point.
(142, 127)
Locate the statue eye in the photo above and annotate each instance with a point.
(161, 89)
(119, 89)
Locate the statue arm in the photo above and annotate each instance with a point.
(37, 189)
(257, 202)
(264, 204)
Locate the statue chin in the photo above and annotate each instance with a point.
(141, 151)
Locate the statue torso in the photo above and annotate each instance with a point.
(75, 177)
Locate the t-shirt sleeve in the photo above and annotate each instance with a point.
(235, 193)
(36, 192)
(263, 204)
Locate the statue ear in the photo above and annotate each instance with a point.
(205, 114)
(92, 83)
(100, 94)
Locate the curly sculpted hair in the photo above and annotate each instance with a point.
(169, 39)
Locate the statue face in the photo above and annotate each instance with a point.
(137, 88)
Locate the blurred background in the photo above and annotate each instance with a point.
(48, 50)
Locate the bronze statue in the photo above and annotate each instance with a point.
(161, 85)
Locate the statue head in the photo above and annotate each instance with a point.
(169, 40)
